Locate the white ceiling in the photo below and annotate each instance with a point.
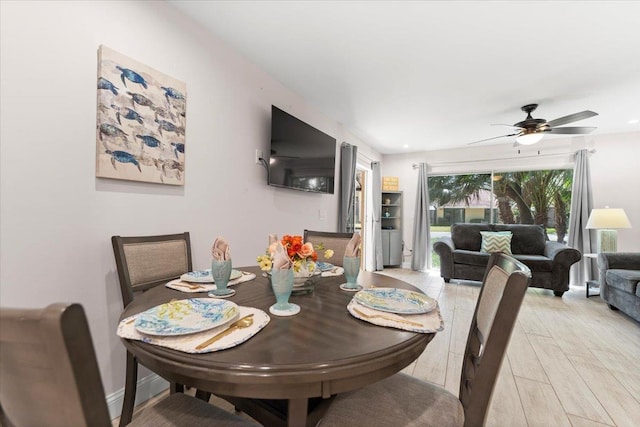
(417, 75)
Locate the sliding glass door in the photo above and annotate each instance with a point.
(522, 197)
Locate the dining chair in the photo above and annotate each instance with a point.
(404, 400)
(334, 241)
(144, 262)
(50, 376)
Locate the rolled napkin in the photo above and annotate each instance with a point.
(281, 260)
(220, 249)
(353, 247)
(273, 242)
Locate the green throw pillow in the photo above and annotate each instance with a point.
(496, 241)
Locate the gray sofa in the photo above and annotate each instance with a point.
(619, 277)
(460, 256)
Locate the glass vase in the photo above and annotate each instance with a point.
(282, 285)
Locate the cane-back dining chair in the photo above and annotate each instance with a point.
(403, 400)
(144, 262)
(50, 377)
(334, 241)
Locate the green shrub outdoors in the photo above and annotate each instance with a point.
(435, 258)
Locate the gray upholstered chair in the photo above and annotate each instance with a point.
(334, 241)
(50, 377)
(619, 281)
(403, 400)
(144, 262)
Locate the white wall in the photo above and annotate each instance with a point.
(613, 172)
(57, 218)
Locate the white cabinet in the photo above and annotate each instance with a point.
(391, 223)
(391, 247)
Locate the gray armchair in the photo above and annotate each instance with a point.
(619, 277)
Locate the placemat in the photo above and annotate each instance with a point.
(422, 323)
(188, 343)
(188, 287)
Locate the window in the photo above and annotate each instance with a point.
(527, 197)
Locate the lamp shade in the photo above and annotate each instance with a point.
(608, 219)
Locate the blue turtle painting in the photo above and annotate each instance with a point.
(140, 125)
(170, 92)
(164, 113)
(126, 113)
(169, 127)
(111, 130)
(107, 85)
(123, 157)
(171, 168)
(149, 141)
(177, 148)
(131, 75)
(139, 99)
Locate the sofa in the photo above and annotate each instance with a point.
(619, 274)
(461, 256)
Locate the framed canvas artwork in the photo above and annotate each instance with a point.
(141, 119)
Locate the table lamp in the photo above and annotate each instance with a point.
(606, 221)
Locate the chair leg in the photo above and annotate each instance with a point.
(130, 385)
(176, 388)
(203, 395)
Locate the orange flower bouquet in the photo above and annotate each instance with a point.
(303, 255)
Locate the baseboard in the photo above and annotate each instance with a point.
(148, 387)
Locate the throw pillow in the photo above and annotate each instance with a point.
(496, 241)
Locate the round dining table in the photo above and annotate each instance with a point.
(287, 373)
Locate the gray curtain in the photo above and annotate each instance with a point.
(581, 205)
(421, 239)
(348, 154)
(376, 192)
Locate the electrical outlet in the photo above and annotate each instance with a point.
(258, 157)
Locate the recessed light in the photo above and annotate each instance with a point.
(405, 146)
(633, 121)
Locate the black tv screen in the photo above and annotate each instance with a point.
(301, 156)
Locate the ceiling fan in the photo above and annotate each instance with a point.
(530, 130)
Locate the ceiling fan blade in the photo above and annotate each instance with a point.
(571, 130)
(495, 137)
(571, 118)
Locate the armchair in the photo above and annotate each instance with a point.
(619, 277)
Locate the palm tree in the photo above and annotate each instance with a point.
(531, 194)
(451, 189)
(562, 200)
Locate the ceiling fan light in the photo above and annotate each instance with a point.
(529, 138)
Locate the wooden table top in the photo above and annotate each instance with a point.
(319, 352)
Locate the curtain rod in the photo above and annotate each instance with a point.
(359, 153)
(415, 165)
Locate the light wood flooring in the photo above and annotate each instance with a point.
(571, 361)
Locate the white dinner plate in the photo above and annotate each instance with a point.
(204, 276)
(186, 316)
(395, 300)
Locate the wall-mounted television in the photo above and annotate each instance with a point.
(301, 156)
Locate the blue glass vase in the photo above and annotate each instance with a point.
(221, 272)
(282, 285)
(351, 265)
